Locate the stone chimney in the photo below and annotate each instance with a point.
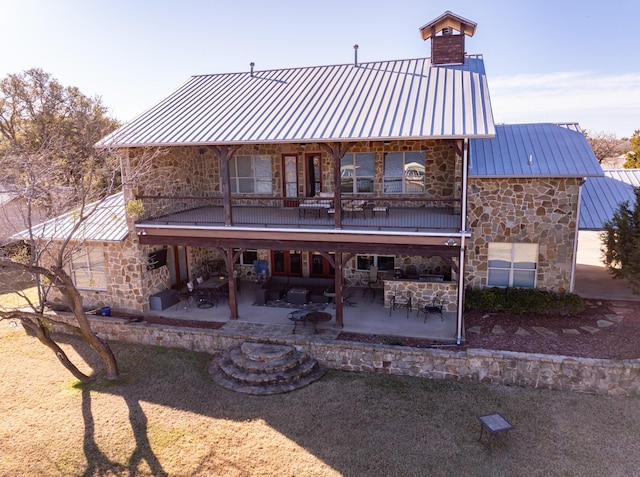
(447, 46)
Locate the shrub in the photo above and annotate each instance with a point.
(522, 301)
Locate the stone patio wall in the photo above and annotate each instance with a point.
(594, 376)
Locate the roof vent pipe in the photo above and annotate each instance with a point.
(252, 64)
(355, 54)
(530, 160)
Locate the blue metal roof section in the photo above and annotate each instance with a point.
(601, 196)
(401, 99)
(106, 222)
(533, 150)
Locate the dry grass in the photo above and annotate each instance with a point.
(166, 417)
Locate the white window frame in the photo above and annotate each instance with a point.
(350, 170)
(504, 256)
(88, 269)
(261, 184)
(404, 176)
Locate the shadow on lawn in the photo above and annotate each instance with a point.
(97, 462)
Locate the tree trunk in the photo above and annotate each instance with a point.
(100, 346)
(42, 334)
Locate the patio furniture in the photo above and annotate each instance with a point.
(495, 425)
(434, 307)
(186, 296)
(323, 201)
(211, 291)
(372, 280)
(304, 317)
(379, 209)
(354, 207)
(298, 296)
(401, 301)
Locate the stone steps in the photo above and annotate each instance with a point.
(263, 369)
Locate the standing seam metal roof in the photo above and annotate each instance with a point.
(533, 150)
(106, 223)
(408, 99)
(602, 196)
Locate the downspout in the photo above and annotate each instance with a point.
(575, 239)
(463, 231)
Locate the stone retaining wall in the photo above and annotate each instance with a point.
(594, 376)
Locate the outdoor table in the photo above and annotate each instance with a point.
(298, 295)
(495, 424)
(210, 287)
(305, 316)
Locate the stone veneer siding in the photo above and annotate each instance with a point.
(595, 376)
(528, 210)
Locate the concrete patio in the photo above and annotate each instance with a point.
(366, 315)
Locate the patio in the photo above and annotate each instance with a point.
(365, 315)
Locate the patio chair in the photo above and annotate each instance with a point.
(354, 207)
(186, 296)
(434, 307)
(372, 280)
(399, 301)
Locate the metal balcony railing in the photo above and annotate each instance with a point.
(358, 212)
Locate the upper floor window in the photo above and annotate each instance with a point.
(356, 173)
(404, 173)
(251, 175)
(88, 269)
(512, 265)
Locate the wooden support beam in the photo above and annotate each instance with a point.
(224, 155)
(336, 151)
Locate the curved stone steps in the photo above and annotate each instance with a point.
(263, 369)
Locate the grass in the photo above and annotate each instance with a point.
(166, 417)
(11, 300)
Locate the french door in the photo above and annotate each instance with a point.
(320, 266)
(287, 263)
(313, 174)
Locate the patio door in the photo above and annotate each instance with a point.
(290, 179)
(286, 263)
(320, 266)
(178, 269)
(314, 174)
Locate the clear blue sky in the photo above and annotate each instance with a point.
(548, 60)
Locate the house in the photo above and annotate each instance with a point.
(392, 168)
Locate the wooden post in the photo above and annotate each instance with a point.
(338, 288)
(233, 291)
(224, 154)
(337, 151)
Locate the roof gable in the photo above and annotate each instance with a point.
(448, 20)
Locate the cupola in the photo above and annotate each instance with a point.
(447, 34)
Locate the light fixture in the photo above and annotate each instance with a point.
(303, 145)
(450, 242)
(142, 232)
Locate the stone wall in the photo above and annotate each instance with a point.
(542, 211)
(595, 376)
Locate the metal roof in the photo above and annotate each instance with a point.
(106, 223)
(601, 196)
(533, 150)
(402, 99)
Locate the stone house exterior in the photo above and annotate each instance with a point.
(332, 171)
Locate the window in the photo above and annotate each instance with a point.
(88, 270)
(383, 262)
(512, 265)
(356, 173)
(404, 173)
(247, 257)
(251, 175)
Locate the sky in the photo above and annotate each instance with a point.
(546, 61)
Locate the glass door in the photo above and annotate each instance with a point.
(320, 266)
(287, 263)
(314, 174)
(290, 179)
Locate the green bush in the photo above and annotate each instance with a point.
(522, 301)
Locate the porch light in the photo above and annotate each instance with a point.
(450, 242)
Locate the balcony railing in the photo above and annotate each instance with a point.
(358, 212)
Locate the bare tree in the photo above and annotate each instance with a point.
(47, 134)
(604, 145)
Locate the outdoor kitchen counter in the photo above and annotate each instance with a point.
(422, 292)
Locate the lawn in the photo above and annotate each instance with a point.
(166, 417)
